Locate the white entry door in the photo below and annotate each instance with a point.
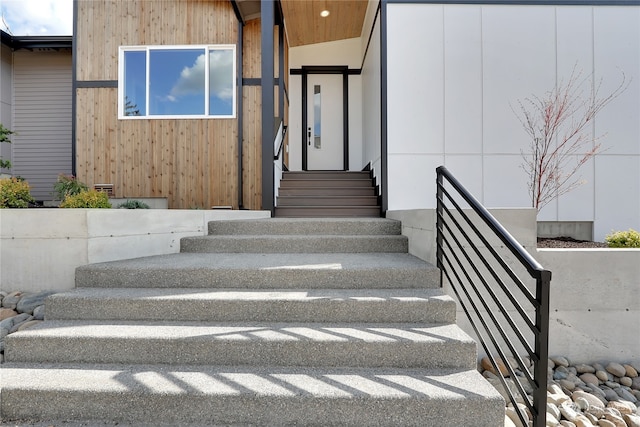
(325, 136)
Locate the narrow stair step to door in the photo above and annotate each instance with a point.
(328, 200)
(326, 175)
(327, 194)
(328, 191)
(254, 337)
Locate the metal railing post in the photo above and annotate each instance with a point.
(439, 207)
(543, 290)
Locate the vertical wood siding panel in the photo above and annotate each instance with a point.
(252, 147)
(191, 162)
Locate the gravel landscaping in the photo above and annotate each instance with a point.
(603, 394)
(568, 243)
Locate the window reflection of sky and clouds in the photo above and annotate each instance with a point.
(134, 81)
(221, 82)
(174, 87)
(177, 81)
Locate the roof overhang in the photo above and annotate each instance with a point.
(36, 42)
(304, 22)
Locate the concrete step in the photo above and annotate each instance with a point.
(308, 226)
(294, 244)
(326, 175)
(210, 395)
(328, 191)
(244, 344)
(327, 211)
(236, 305)
(263, 271)
(320, 182)
(327, 201)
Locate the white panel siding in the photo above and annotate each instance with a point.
(42, 93)
(455, 70)
(371, 103)
(416, 73)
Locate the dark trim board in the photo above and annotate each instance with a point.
(257, 81)
(96, 83)
(236, 10)
(240, 104)
(74, 87)
(267, 17)
(325, 69)
(305, 111)
(36, 42)
(384, 205)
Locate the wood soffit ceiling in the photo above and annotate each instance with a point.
(305, 25)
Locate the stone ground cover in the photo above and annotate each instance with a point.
(19, 311)
(568, 242)
(578, 395)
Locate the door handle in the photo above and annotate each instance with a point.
(309, 135)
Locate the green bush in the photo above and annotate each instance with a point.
(623, 239)
(87, 199)
(5, 136)
(68, 185)
(133, 204)
(15, 193)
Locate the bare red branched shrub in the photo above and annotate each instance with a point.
(560, 140)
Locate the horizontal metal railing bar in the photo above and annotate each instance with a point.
(495, 321)
(482, 341)
(504, 265)
(510, 321)
(533, 267)
(500, 282)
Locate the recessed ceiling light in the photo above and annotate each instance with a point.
(324, 13)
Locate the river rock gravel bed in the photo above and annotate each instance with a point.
(18, 311)
(568, 243)
(603, 394)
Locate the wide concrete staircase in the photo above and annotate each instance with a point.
(327, 194)
(270, 322)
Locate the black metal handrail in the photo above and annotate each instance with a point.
(462, 265)
(278, 152)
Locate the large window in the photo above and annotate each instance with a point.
(177, 82)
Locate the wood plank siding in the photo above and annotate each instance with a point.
(192, 162)
(42, 117)
(252, 122)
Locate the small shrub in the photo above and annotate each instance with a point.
(87, 199)
(133, 204)
(623, 239)
(15, 193)
(5, 136)
(68, 185)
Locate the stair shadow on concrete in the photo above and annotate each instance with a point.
(251, 338)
